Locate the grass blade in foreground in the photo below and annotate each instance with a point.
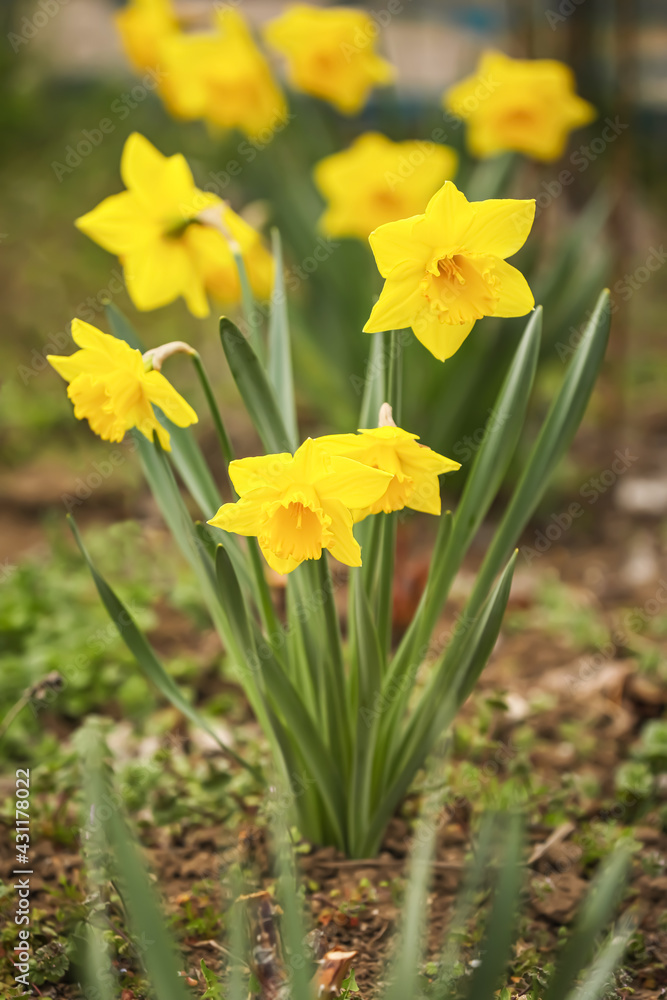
(593, 917)
(144, 654)
(155, 947)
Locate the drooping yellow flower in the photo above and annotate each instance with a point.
(413, 467)
(166, 250)
(111, 388)
(298, 505)
(377, 181)
(143, 25)
(330, 53)
(224, 78)
(526, 105)
(446, 269)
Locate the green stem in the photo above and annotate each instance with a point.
(386, 554)
(265, 603)
(223, 438)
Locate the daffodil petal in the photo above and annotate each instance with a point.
(259, 471)
(423, 460)
(515, 296)
(425, 496)
(279, 564)
(344, 547)
(161, 183)
(445, 220)
(397, 249)
(119, 224)
(395, 309)
(354, 484)
(499, 226)
(162, 393)
(441, 339)
(243, 517)
(157, 278)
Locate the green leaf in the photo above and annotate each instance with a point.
(594, 915)
(404, 973)
(557, 432)
(464, 907)
(596, 982)
(144, 654)
(292, 925)
(488, 470)
(366, 668)
(251, 315)
(232, 599)
(255, 388)
(213, 987)
(496, 949)
(454, 673)
(279, 367)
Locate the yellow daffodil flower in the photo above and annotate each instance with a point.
(166, 250)
(413, 467)
(111, 388)
(143, 25)
(526, 105)
(330, 53)
(298, 505)
(224, 78)
(446, 269)
(377, 181)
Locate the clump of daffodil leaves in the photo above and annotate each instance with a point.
(349, 716)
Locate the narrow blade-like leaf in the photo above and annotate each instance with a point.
(279, 366)
(255, 388)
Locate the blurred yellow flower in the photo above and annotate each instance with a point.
(165, 248)
(413, 467)
(526, 105)
(446, 269)
(111, 389)
(223, 78)
(377, 181)
(143, 25)
(330, 53)
(298, 505)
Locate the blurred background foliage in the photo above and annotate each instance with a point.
(63, 73)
